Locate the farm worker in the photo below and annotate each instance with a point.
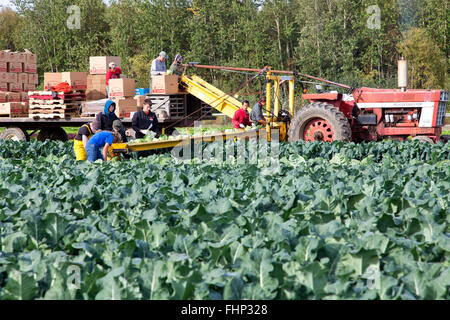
(85, 132)
(176, 67)
(102, 140)
(241, 117)
(114, 72)
(107, 117)
(256, 116)
(158, 66)
(145, 121)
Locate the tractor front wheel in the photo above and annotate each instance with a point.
(319, 122)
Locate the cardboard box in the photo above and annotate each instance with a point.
(22, 78)
(3, 56)
(50, 79)
(12, 108)
(96, 78)
(140, 100)
(30, 67)
(3, 77)
(11, 56)
(30, 57)
(2, 96)
(33, 78)
(15, 67)
(29, 87)
(24, 96)
(125, 106)
(3, 86)
(78, 80)
(13, 97)
(21, 57)
(15, 87)
(121, 88)
(3, 66)
(100, 65)
(165, 84)
(11, 77)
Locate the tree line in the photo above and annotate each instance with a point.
(356, 42)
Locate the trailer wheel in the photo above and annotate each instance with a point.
(15, 134)
(52, 134)
(423, 139)
(319, 121)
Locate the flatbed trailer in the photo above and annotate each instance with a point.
(180, 110)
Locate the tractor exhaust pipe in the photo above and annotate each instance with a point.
(402, 74)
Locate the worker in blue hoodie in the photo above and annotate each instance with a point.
(107, 117)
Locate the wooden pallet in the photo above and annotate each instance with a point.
(46, 101)
(54, 106)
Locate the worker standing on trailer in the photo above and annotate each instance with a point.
(80, 141)
(107, 117)
(158, 66)
(145, 121)
(256, 116)
(176, 67)
(102, 140)
(114, 72)
(241, 116)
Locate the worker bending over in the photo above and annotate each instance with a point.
(85, 132)
(102, 140)
(241, 116)
(107, 117)
(145, 121)
(256, 116)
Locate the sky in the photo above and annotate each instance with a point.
(4, 3)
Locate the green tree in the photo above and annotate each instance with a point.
(10, 23)
(427, 63)
(48, 29)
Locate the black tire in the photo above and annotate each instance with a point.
(341, 129)
(16, 134)
(52, 134)
(423, 139)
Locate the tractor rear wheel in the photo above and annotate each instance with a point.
(52, 134)
(319, 121)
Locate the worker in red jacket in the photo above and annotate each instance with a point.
(241, 117)
(114, 72)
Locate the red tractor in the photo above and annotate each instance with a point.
(368, 114)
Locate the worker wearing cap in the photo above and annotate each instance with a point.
(107, 117)
(158, 66)
(85, 132)
(176, 67)
(102, 140)
(256, 116)
(145, 121)
(114, 72)
(241, 116)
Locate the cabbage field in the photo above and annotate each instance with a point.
(336, 221)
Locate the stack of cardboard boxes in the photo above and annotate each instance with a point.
(122, 92)
(96, 81)
(18, 75)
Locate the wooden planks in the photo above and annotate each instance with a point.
(43, 104)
